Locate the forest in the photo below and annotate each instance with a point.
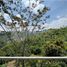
(49, 43)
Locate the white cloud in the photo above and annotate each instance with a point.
(7, 17)
(58, 17)
(58, 23)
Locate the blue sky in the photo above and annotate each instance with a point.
(58, 8)
(58, 12)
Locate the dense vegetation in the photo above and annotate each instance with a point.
(34, 63)
(49, 43)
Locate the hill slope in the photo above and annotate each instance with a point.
(38, 44)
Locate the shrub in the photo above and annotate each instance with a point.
(36, 51)
(53, 50)
(59, 43)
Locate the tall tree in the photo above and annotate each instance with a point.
(18, 14)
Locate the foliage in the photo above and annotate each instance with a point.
(50, 43)
(36, 51)
(53, 50)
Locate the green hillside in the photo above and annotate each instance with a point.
(53, 42)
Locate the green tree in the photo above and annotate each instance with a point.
(53, 50)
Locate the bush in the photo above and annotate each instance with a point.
(36, 51)
(59, 43)
(53, 50)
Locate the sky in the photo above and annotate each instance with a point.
(58, 8)
(58, 12)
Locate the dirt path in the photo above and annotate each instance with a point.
(11, 64)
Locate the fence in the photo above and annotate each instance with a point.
(38, 58)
